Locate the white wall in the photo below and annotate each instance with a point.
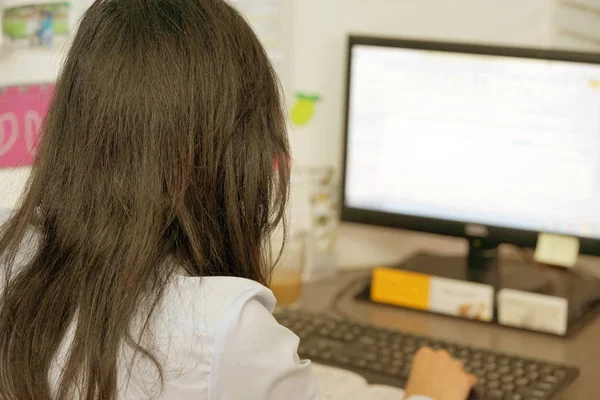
(319, 54)
(577, 24)
(12, 182)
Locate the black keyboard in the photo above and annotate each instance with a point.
(385, 356)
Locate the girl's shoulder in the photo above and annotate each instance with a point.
(209, 302)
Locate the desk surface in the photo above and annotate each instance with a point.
(581, 350)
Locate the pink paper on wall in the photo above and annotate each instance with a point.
(22, 110)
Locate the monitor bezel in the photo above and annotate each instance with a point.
(490, 233)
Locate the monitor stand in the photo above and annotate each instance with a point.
(484, 265)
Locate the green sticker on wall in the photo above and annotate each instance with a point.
(304, 108)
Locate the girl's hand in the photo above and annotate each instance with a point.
(437, 375)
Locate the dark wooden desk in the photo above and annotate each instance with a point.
(581, 350)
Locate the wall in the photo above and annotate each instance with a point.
(319, 54)
(576, 24)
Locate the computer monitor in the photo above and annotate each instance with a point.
(493, 144)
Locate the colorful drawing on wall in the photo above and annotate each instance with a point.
(304, 108)
(22, 109)
(36, 25)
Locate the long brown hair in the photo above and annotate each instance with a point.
(159, 145)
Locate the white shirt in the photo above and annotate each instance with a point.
(220, 336)
(216, 339)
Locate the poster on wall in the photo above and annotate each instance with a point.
(272, 21)
(34, 25)
(22, 109)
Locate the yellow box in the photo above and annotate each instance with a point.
(401, 288)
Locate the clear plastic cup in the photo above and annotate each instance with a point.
(286, 281)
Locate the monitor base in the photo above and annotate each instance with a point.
(483, 266)
(498, 274)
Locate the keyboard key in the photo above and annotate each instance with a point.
(493, 384)
(522, 382)
(479, 389)
(508, 387)
(490, 367)
(324, 332)
(547, 370)
(342, 359)
(532, 394)
(560, 373)
(313, 353)
(504, 361)
(405, 373)
(493, 376)
(533, 376)
(408, 339)
(377, 367)
(409, 348)
(359, 363)
(532, 367)
(349, 337)
(544, 386)
(504, 370)
(490, 358)
(367, 340)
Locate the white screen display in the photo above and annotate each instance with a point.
(500, 141)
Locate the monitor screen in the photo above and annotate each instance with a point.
(493, 140)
